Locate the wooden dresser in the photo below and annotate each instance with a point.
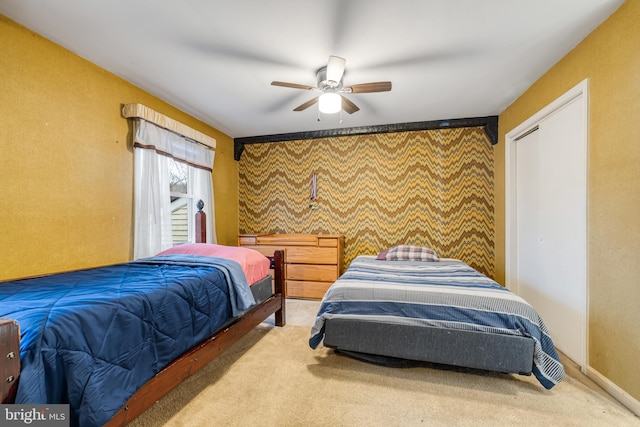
(312, 261)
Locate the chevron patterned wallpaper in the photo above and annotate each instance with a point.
(431, 188)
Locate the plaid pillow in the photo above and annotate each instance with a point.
(411, 253)
(382, 255)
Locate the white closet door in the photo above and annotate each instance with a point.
(551, 226)
(529, 257)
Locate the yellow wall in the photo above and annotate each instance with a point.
(610, 58)
(66, 165)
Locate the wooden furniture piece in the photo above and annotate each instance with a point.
(9, 359)
(312, 261)
(201, 224)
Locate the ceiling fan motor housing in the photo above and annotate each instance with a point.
(330, 84)
(327, 85)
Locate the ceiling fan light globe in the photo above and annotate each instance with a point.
(330, 103)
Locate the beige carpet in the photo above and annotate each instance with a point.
(273, 378)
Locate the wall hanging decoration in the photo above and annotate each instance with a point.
(313, 192)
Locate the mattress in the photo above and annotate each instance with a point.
(262, 289)
(254, 265)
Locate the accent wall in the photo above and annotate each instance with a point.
(431, 188)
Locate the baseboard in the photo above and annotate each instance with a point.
(615, 391)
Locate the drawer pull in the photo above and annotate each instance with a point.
(11, 355)
(10, 379)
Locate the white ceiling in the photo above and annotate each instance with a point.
(215, 59)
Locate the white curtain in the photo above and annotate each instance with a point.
(152, 203)
(202, 185)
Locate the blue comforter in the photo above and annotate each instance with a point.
(91, 338)
(447, 294)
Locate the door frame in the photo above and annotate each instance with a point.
(511, 138)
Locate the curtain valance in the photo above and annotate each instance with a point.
(146, 113)
(149, 136)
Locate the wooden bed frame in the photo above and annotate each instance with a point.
(174, 373)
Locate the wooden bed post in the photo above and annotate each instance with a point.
(201, 224)
(9, 359)
(278, 272)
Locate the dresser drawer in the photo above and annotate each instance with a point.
(307, 290)
(328, 242)
(318, 273)
(311, 255)
(287, 239)
(266, 250)
(246, 240)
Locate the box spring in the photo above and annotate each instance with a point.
(262, 289)
(377, 342)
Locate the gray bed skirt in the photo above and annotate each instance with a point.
(376, 342)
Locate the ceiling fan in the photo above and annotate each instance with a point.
(330, 84)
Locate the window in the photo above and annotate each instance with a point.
(181, 202)
(171, 174)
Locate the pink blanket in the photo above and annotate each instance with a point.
(253, 263)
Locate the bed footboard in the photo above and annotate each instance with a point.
(9, 359)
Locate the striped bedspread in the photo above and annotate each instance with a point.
(448, 294)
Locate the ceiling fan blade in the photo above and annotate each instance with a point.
(369, 87)
(307, 104)
(335, 68)
(292, 85)
(349, 106)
